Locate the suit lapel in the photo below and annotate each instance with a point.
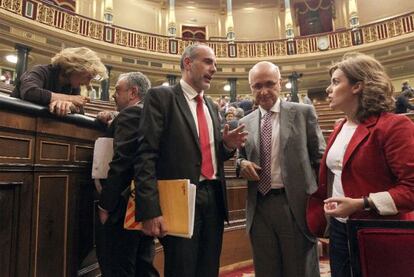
(214, 118)
(186, 112)
(287, 115)
(254, 137)
(360, 134)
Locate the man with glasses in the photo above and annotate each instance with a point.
(279, 159)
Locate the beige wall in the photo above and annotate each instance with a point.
(257, 24)
(137, 15)
(374, 10)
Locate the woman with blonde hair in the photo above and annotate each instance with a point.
(58, 83)
(367, 170)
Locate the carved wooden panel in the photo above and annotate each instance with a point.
(51, 126)
(9, 207)
(15, 147)
(15, 222)
(54, 151)
(236, 197)
(83, 153)
(17, 121)
(51, 225)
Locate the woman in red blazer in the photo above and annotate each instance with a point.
(367, 170)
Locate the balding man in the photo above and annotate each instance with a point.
(181, 139)
(282, 151)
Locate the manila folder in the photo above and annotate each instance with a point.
(177, 201)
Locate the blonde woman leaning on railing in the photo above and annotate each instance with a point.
(57, 84)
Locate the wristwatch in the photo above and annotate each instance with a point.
(367, 206)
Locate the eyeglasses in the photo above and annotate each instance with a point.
(260, 86)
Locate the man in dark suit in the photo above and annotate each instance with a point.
(123, 252)
(181, 138)
(279, 160)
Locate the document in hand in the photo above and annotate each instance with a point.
(177, 200)
(102, 156)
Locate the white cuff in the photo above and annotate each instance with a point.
(384, 203)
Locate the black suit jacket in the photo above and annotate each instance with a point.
(124, 130)
(170, 147)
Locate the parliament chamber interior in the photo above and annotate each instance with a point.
(48, 200)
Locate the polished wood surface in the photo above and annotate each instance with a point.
(46, 193)
(47, 197)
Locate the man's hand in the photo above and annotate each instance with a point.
(249, 170)
(62, 108)
(105, 117)
(103, 215)
(342, 206)
(235, 138)
(154, 227)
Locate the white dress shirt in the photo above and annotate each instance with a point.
(275, 158)
(334, 161)
(190, 95)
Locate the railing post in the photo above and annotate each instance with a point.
(105, 85)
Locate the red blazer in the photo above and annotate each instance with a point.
(379, 157)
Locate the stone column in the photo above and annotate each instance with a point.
(105, 85)
(172, 80)
(172, 28)
(233, 91)
(291, 49)
(22, 59)
(354, 23)
(230, 34)
(294, 89)
(108, 12)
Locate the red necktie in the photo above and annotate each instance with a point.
(207, 169)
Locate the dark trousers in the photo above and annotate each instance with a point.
(200, 255)
(123, 253)
(338, 249)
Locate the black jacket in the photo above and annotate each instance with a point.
(170, 147)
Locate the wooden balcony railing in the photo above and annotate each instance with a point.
(58, 18)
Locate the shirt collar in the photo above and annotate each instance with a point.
(189, 92)
(275, 108)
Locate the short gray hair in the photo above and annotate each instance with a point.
(137, 79)
(190, 52)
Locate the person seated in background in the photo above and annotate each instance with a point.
(405, 85)
(57, 84)
(91, 92)
(367, 170)
(7, 78)
(229, 116)
(306, 100)
(246, 105)
(402, 104)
